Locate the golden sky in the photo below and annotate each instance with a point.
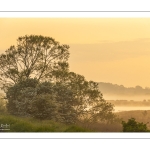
(115, 50)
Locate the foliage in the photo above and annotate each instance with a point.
(3, 103)
(54, 101)
(63, 102)
(27, 124)
(133, 126)
(32, 57)
(20, 97)
(88, 100)
(41, 100)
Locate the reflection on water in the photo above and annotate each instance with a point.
(125, 108)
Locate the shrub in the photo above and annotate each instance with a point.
(133, 126)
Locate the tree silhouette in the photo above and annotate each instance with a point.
(33, 56)
(36, 76)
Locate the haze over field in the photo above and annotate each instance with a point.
(119, 92)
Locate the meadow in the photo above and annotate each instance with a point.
(27, 124)
(19, 124)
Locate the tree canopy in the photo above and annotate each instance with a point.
(33, 57)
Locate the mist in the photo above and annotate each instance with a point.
(119, 92)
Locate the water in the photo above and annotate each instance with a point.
(125, 108)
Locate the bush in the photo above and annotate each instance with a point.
(133, 126)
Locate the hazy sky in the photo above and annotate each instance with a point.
(115, 50)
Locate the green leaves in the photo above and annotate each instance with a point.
(133, 126)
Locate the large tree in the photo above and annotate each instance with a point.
(33, 57)
(27, 71)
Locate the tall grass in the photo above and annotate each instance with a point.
(18, 124)
(139, 115)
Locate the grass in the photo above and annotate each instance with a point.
(103, 127)
(18, 124)
(139, 115)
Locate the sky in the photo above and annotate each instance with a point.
(114, 50)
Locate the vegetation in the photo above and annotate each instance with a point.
(19, 124)
(139, 115)
(36, 79)
(3, 103)
(133, 126)
(29, 124)
(42, 95)
(114, 89)
(33, 57)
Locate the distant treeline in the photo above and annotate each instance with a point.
(129, 102)
(114, 89)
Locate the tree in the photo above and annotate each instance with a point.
(36, 76)
(33, 57)
(133, 126)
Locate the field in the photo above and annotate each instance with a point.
(139, 115)
(18, 124)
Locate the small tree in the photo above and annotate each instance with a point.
(133, 126)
